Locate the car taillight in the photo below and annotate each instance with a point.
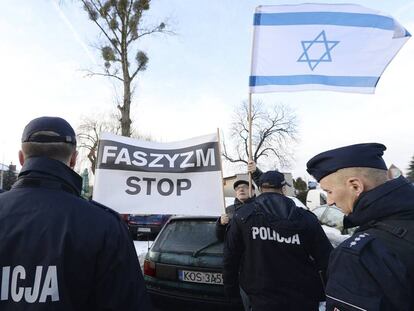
(125, 217)
(149, 268)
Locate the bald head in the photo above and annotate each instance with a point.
(344, 186)
(371, 177)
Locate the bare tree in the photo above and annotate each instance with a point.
(273, 133)
(120, 23)
(89, 132)
(88, 135)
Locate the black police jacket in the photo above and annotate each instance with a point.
(280, 251)
(374, 269)
(61, 252)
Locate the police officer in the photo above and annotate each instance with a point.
(374, 269)
(57, 250)
(279, 249)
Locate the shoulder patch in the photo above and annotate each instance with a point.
(105, 208)
(358, 242)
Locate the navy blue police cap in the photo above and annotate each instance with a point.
(63, 130)
(241, 182)
(359, 155)
(273, 179)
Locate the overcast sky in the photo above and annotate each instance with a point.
(194, 79)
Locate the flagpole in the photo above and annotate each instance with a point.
(250, 142)
(250, 116)
(221, 170)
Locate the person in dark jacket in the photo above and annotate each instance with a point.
(59, 251)
(374, 269)
(241, 189)
(276, 251)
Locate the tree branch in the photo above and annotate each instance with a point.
(91, 74)
(109, 26)
(136, 71)
(271, 133)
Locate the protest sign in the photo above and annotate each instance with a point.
(141, 177)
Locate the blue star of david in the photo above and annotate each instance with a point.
(316, 43)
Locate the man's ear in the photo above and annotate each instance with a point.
(72, 161)
(356, 185)
(21, 157)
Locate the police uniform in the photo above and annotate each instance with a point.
(59, 251)
(374, 269)
(277, 252)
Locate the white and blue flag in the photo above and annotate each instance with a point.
(336, 47)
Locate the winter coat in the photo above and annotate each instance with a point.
(277, 252)
(374, 269)
(59, 251)
(231, 209)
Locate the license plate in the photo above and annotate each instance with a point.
(200, 277)
(144, 229)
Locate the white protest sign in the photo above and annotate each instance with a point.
(141, 177)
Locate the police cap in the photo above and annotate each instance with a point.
(273, 179)
(63, 130)
(241, 182)
(359, 155)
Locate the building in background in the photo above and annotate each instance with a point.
(8, 175)
(3, 170)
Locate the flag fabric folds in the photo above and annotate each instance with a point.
(337, 47)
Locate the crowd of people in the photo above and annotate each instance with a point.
(59, 251)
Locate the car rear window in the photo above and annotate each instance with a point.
(188, 236)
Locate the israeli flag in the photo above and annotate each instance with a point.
(336, 47)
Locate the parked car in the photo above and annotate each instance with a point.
(184, 266)
(146, 224)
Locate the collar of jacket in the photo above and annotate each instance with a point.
(38, 167)
(278, 205)
(237, 202)
(393, 199)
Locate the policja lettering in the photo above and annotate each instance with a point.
(266, 233)
(48, 287)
